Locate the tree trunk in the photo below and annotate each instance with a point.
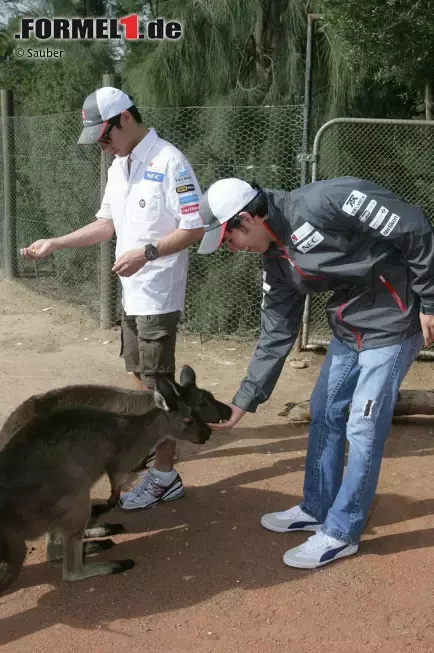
(267, 34)
(429, 101)
(410, 402)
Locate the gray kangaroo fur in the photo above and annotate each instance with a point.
(50, 460)
(117, 400)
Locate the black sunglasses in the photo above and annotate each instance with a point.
(105, 139)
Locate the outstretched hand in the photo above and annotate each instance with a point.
(237, 414)
(39, 249)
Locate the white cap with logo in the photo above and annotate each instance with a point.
(98, 108)
(224, 199)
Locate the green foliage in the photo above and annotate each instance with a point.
(223, 294)
(242, 53)
(393, 40)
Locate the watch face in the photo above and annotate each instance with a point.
(151, 252)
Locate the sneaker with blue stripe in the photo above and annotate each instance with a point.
(294, 519)
(319, 550)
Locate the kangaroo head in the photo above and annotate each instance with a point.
(183, 423)
(202, 402)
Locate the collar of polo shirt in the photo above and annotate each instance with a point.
(142, 149)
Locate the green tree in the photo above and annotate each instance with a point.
(249, 52)
(391, 42)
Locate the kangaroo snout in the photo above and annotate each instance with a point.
(204, 434)
(200, 434)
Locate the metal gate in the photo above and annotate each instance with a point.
(398, 154)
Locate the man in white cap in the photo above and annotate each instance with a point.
(151, 203)
(375, 253)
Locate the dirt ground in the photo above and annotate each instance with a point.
(208, 578)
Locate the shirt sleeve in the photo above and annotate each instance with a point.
(105, 208)
(182, 193)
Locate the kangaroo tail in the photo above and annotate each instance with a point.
(12, 553)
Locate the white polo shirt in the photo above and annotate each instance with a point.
(160, 195)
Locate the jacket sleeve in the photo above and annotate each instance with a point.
(380, 214)
(282, 309)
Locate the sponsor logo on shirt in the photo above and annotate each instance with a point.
(390, 224)
(353, 202)
(367, 212)
(311, 242)
(154, 176)
(191, 208)
(188, 199)
(378, 219)
(182, 175)
(185, 188)
(142, 204)
(301, 232)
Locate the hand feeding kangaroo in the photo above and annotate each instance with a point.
(54, 447)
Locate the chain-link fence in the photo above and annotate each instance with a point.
(55, 189)
(394, 153)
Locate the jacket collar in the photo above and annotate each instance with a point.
(278, 222)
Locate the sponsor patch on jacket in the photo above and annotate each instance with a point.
(185, 188)
(367, 212)
(301, 232)
(188, 199)
(390, 224)
(153, 176)
(378, 219)
(353, 202)
(311, 242)
(191, 208)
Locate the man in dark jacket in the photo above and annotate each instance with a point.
(376, 253)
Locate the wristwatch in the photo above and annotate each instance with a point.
(151, 252)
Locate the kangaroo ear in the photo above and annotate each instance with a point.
(165, 395)
(188, 376)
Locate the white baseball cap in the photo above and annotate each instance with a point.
(222, 200)
(98, 108)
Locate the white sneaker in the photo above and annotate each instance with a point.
(294, 519)
(319, 550)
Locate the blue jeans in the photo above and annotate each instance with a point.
(369, 381)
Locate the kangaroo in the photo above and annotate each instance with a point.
(49, 465)
(117, 400)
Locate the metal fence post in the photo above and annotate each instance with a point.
(107, 315)
(307, 103)
(307, 109)
(9, 196)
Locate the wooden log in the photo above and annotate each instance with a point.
(410, 402)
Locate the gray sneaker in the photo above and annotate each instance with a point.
(149, 491)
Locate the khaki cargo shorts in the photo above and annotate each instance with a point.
(148, 344)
